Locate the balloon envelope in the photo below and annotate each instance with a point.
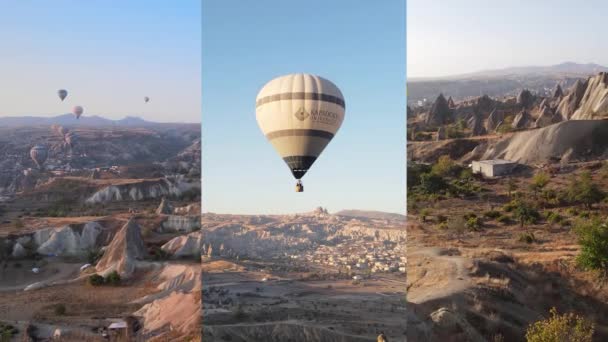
(146, 99)
(77, 110)
(62, 94)
(39, 153)
(300, 114)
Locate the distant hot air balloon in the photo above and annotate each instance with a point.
(146, 99)
(299, 114)
(62, 94)
(39, 153)
(77, 110)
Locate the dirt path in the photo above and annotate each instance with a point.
(437, 274)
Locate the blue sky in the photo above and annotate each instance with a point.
(108, 54)
(360, 46)
(473, 35)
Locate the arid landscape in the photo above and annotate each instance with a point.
(304, 277)
(490, 255)
(102, 242)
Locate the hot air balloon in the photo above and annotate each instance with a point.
(299, 114)
(77, 110)
(146, 99)
(62, 94)
(39, 153)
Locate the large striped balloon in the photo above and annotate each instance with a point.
(299, 114)
(39, 153)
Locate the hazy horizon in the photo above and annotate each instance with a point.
(478, 37)
(108, 55)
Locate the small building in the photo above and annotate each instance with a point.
(493, 167)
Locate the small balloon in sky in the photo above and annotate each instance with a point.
(77, 110)
(62, 93)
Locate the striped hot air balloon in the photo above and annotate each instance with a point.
(299, 114)
(39, 153)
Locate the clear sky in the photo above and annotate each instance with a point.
(107, 54)
(473, 35)
(358, 45)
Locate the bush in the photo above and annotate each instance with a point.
(539, 181)
(504, 219)
(7, 331)
(525, 213)
(526, 237)
(474, 223)
(553, 217)
(96, 280)
(446, 167)
(94, 256)
(593, 238)
(492, 214)
(583, 190)
(113, 278)
(567, 327)
(59, 310)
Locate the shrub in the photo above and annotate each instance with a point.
(525, 213)
(431, 183)
(566, 327)
(96, 280)
(94, 256)
(539, 181)
(446, 167)
(59, 310)
(526, 237)
(593, 238)
(113, 278)
(553, 217)
(583, 190)
(492, 214)
(473, 223)
(504, 219)
(7, 332)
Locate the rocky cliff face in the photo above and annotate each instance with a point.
(143, 190)
(123, 253)
(594, 102)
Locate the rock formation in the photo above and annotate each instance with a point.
(164, 208)
(451, 103)
(184, 246)
(493, 120)
(441, 133)
(594, 102)
(122, 254)
(558, 93)
(570, 102)
(521, 120)
(475, 124)
(525, 98)
(440, 113)
(545, 117)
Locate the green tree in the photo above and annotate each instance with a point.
(525, 213)
(583, 190)
(511, 186)
(567, 327)
(539, 181)
(593, 238)
(445, 167)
